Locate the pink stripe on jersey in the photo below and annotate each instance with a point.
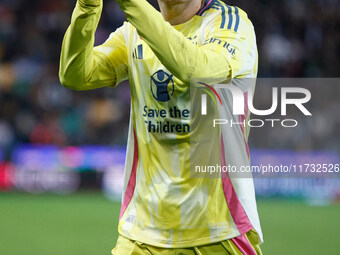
(243, 244)
(235, 207)
(243, 118)
(204, 7)
(132, 181)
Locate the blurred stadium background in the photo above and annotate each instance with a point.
(62, 152)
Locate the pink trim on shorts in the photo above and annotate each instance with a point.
(243, 244)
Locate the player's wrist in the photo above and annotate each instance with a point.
(88, 3)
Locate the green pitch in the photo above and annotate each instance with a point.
(86, 223)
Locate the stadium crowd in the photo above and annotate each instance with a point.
(296, 38)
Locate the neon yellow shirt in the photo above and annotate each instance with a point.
(162, 205)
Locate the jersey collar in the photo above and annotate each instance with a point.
(206, 6)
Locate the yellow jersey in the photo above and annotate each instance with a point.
(162, 205)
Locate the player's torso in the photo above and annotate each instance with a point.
(160, 103)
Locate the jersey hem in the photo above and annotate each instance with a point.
(182, 244)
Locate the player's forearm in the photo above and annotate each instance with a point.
(78, 65)
(182, 58)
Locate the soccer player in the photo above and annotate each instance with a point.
(164, 210)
